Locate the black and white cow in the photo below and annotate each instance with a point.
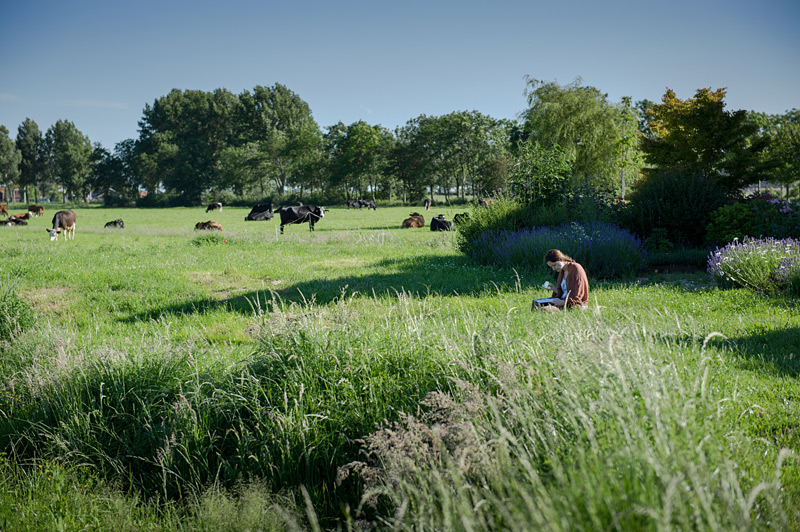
(369, 204)
(216, 206)
(298, 214)
(63, 221)
(438, 223)
(354, 204)
(262, 211)
(115, 224)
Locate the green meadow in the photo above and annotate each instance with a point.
(366, 377)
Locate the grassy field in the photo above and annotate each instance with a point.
(363, 375)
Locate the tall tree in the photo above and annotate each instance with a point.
(69, 157)
(360, 156)
(698, 135)
(10, 158)
(580, 120)
(282, 125)
(30, 143)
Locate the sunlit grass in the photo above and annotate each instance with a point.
(171, 363)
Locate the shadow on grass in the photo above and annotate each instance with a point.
(775, 348)
(414, 276)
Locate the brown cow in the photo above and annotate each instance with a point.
(63, 221)
(36, 210)
(21, 216)
(208, 226)
(416, 220)
(4, 210)
(216, 206)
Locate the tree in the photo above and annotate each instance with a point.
(360, 156)
(282, 124)
(540, 174)
(31, 145)
(69, 157)
(582, 122)
(782, 153)
(698, 135)
(10, 158)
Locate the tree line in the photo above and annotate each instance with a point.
(195, 146)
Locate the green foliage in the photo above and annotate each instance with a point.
(586, 126)
(504, 214)
(16, 316)
(69, 158)
(540, 175)
(755, 217)
(679, 203)
(10, 158)
(698, 136)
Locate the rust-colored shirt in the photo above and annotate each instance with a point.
(577, 285)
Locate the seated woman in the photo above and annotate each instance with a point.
(572, 285)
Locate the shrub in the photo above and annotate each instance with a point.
(15, 315)
(604, 250)
(752, 263)
(787, 275)
(505, 214)
(678, 202)
(760, 216)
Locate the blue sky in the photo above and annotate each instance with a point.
(97, 63)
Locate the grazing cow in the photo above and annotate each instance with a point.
(216, 206)
(438, 223)
(4, 210)
(210, 225)
(369, 204)
(427, 204)
(21, 216)
(262, 211)
(299, 214)
(63, 221)
(115, 224)
(354, 204)
(461, 218)
(35, 210)
(416, 220)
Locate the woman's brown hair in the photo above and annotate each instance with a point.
(555, 255)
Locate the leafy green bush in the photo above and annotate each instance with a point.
(756, 217)
(504, 214)
(680, 203)
(15, 315)
(210, 239)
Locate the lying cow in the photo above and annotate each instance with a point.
(416, 220)
(35, 210)
(210, 225)
(354, 204)
(262, 211)
(21, 216)
(299, 214)
(461, 218)
(63, 221)
(10, 222)
(115, 224)
(4, 210)
(438, 223)
(216, 206)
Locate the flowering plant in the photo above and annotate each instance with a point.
(604, 250)
(764, 265)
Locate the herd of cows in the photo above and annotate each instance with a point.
(65, 221)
